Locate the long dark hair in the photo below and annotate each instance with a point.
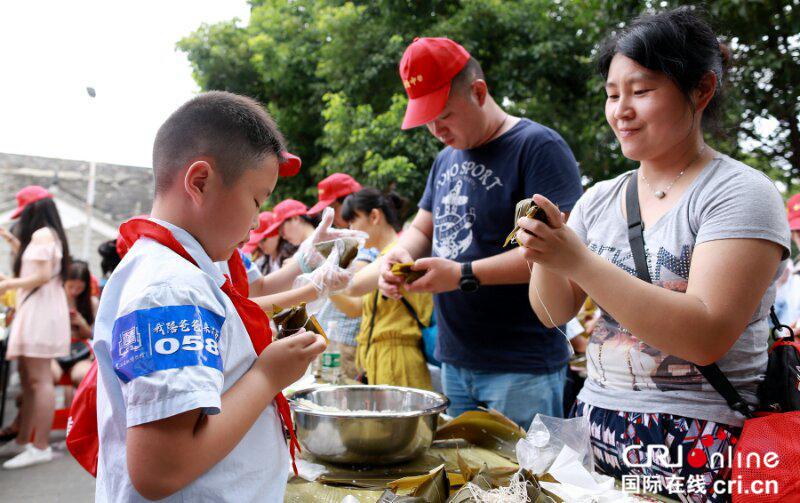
(678, 43)
(79, 270)
(365, 200)
(42, 213)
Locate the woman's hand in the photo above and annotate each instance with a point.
(555, 246)
(5, 285)
(76, 319)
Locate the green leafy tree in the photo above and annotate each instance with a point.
(327, 70)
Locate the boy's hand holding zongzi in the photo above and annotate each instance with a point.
(285, 361)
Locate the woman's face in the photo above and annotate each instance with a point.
(74, 287)
(365, 222)
(648, 113)
(269, 246)
(292, 231)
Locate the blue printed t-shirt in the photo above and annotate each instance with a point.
(472, 195)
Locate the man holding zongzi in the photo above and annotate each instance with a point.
(495, 352)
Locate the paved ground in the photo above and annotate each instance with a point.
(61, 480)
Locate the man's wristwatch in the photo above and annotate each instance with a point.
(468, 282)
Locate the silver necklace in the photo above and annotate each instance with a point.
(661, 194)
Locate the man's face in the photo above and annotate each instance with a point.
(458, 126)
(232, 211)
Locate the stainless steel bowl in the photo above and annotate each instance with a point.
(399, 426)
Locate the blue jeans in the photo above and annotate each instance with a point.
(518, 396)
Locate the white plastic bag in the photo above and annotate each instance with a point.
(308, 257)
(327, 278)
(547, 436)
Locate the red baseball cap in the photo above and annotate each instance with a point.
(332, 188)
(290, 166)
(283, 211)
(28, 195)
(427, 69)
(265, 220)
(793, 212)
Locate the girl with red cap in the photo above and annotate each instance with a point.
(40, 331)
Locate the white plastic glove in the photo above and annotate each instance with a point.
(328, 278)
(308, 257)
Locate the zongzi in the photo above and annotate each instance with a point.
(404, 270)
(525, 208)
(290, 321)
(348, 250)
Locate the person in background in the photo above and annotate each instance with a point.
(268, 250)
(332, 192)
(82, 312)
(290, 285)
(41, 327)
(109, 259)
(389, 339)
(293, 222)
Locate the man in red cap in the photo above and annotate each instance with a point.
(495, 352)
(332, 192)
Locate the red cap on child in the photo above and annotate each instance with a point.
(332, 188)
(285, 210)
(290, 166)
(28, 195)
(265, 220)
(427, 69)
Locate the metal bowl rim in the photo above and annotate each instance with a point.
(438, 409)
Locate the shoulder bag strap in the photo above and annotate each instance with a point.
(636, 238)
(372, 322)
(412, 312)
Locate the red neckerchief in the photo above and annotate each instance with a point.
(254, 318)
(239, 274)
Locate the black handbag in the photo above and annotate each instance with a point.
(78, 350)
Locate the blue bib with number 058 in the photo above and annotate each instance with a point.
(161, 338)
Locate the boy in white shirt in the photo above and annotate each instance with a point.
(188, 395)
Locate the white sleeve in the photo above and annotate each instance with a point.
(165, 349)
(253, 273)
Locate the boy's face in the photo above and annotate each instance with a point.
(230, 212)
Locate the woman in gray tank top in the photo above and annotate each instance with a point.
(715, 239)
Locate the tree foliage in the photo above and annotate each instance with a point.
(327, 70)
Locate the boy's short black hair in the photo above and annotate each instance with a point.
(234, 130)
